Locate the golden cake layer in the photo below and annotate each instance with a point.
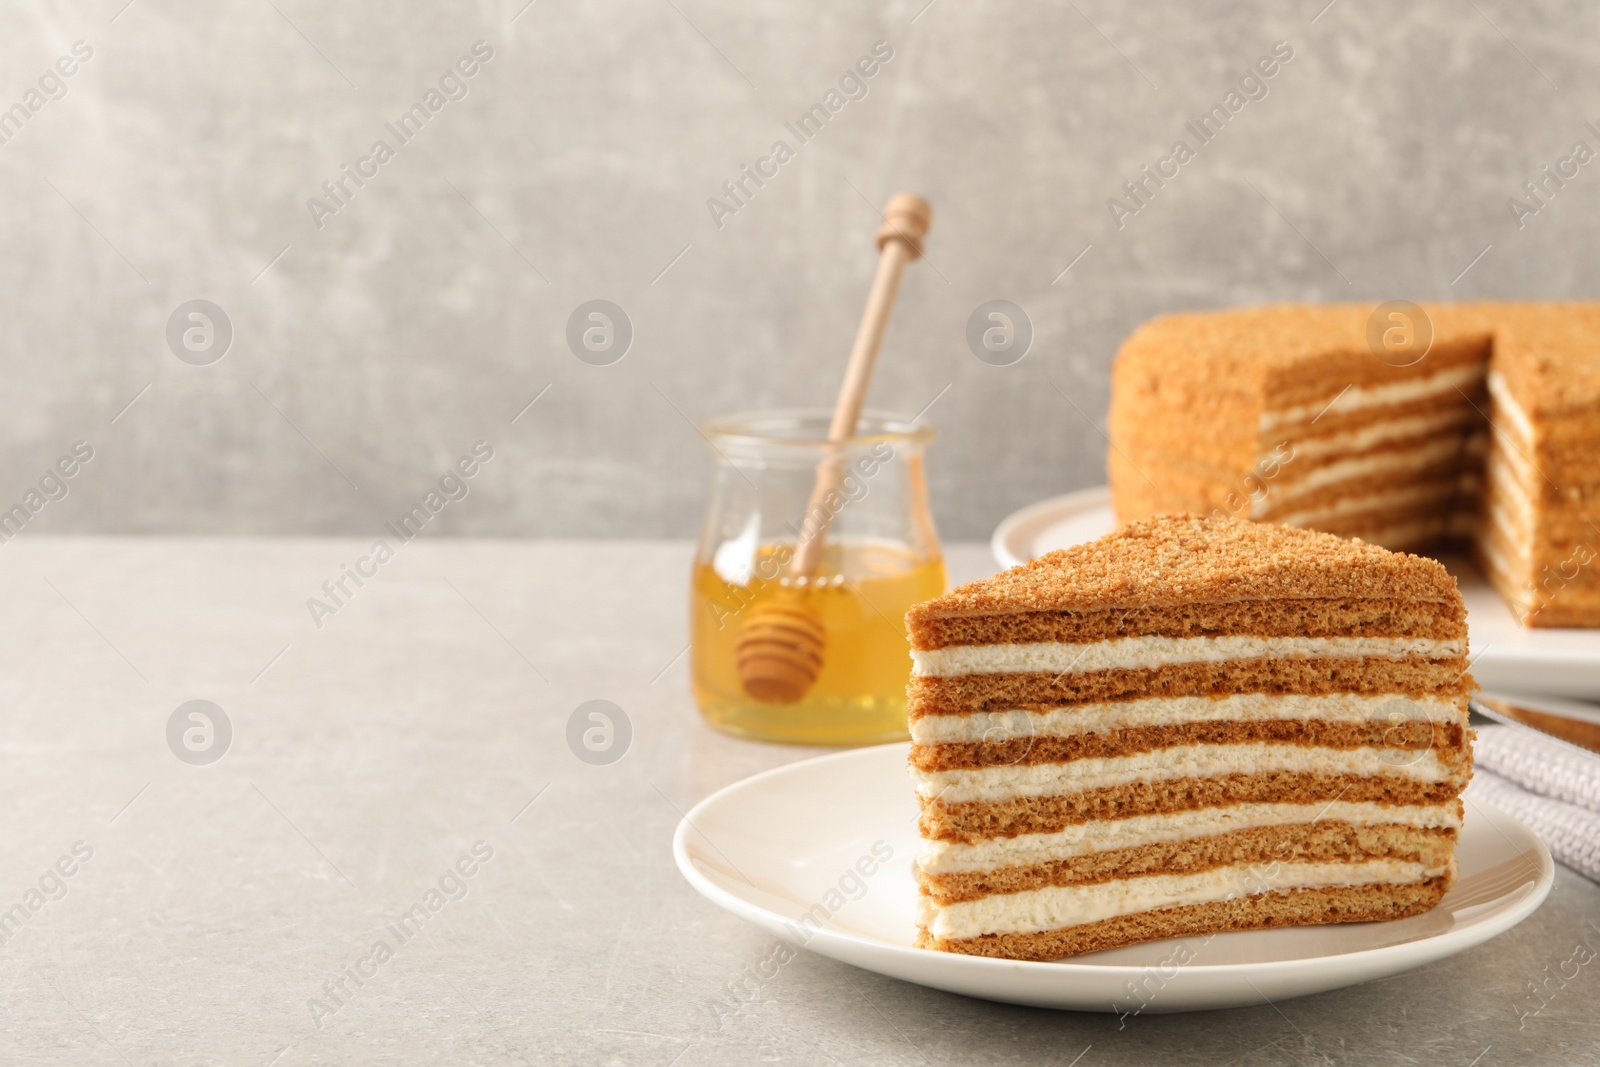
(1050, 814)
(1255, 912)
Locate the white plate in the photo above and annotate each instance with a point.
(1506, 655)
(773, 847)
(1567, 709)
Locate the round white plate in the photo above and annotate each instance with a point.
(811, 838)
(1506, 655)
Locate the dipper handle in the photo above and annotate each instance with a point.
(905, 223)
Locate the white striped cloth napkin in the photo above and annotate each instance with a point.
(1552, 787)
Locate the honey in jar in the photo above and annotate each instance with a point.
(860, 593)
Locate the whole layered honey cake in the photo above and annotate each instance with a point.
(1481, 427)
(1191, 725)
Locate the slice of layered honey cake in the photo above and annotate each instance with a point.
(1188, 726)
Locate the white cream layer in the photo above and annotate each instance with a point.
(993, 784)
(1057, 907)
(1510, 504)
(997, 727)
(1383, 500)
(1514, 576)
(1511, 538)
(1356, 468)
(1512, 411)
(1510, 455)
(1361, 397)
(1028, 850)
(1365, 437)
(1137, 653)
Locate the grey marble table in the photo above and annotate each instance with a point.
(408, 757)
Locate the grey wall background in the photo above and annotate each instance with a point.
(426, 313)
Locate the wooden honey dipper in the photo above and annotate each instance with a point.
(780, 647)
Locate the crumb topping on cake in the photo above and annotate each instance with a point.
(1175, 560)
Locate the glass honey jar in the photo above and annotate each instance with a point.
(875, 554)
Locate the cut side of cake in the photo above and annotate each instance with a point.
(1539, 533)
(1484, 435)
(1189, 726)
